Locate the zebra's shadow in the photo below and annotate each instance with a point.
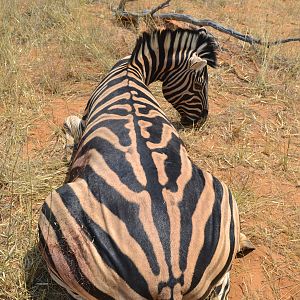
(177, 125)
(39, 284)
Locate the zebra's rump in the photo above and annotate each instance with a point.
(141, 250)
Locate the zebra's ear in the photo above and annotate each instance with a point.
(197, 63)
(245, 246)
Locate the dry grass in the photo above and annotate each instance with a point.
(52, 54)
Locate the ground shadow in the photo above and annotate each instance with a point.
(178, 126)
(38, 281)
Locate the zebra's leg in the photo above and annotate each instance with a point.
(221, 290)
(73, 128)
(245, 246)
(71, 295)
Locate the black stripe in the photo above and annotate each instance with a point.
(112, 125)
(139, 64)
(153, 61)
(170, 52)
(146, 63)
(116, 161)
(121, 112)
(211, 236)
(124, 90)
(161, 53)
(70, 257)
(232, 239)
(44, 248)
(134, 71)
(232, 243)
(142, 92)
(187, 206)
(115, 126)
(173, 163)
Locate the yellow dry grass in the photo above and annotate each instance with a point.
(52, 55)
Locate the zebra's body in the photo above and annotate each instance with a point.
(138, 220)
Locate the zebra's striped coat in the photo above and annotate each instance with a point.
(138, 220)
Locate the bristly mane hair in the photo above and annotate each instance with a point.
(206, 41)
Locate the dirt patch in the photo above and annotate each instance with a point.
(50, 122)
(252, 278)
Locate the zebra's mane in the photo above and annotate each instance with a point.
(206, 46)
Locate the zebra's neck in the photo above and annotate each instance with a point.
(122, 84)
(160, 53)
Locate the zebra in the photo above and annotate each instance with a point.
(137, 219)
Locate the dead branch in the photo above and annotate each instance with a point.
(157, 8)
(205, 22)
(122, 13)
(149, 12)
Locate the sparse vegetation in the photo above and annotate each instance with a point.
(52, 55)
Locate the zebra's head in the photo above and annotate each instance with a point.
(187, 91)
(179, 59)
(186, 87)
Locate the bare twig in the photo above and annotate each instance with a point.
(190, 20)
(161, 6)
(150, 12)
